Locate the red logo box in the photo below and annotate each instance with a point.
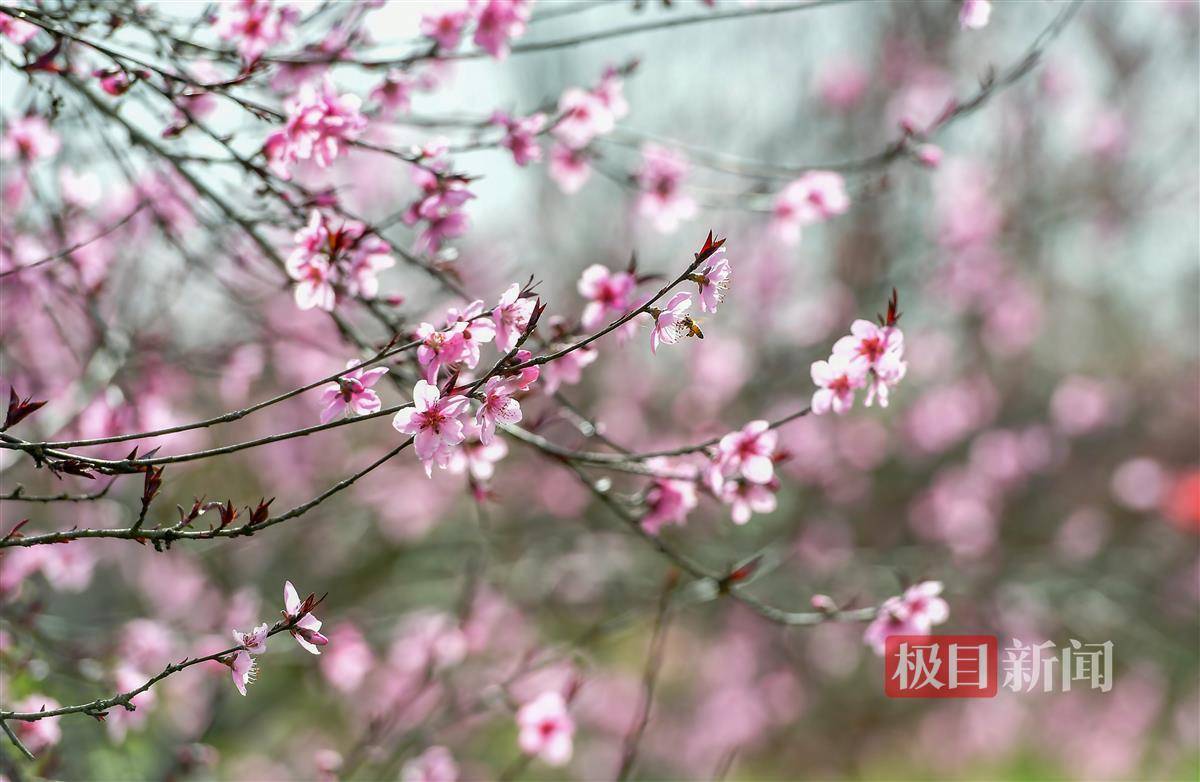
(941, 666)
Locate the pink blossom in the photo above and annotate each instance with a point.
(660, 180)
(582, 116)
(668, 500)
(256, 25)
(325, 257)
(435, 764)
(815, 197)
(18, 31)
(68, 568)
(841, 83)
(925, 604)
(314, 282)
(498, 23)
(319, 122)
(546, 729)
(749, 452)
(362, 262)
(438, 349)
(255, 641)
(498, 406)
(713, 280)
(475, 458)
(869, 344)
(974, 14)
(243, 669)
(913, 613)
(348, 660)
(114, 82)
(394, 93)
(838, 379)
(195, 102)
(435, 422)
(887, 373)
(28, 139)
(608, 293)
(569, 168)
(1081, 404)
(475, 329)
(37, 735)
(306, 628)
(327, 762)
(611, 92)
(440, 228)
(428, 640)
(568, 369)
(352, 391)
(1139, 484)
(445, 29)
(746, 498)
(672, 323)
(921, 102)
(511, 317)
(439, 206)
(520, 136)
(928, 155)
(145, 644)
(119, 721)
(967, 213)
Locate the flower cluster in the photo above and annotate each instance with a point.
(352, 391)
(668, 500)
(497, 23)
(439, 204)
(913, 613)
(255, 26)
(871, 357)
(660, 183)
(458, 344)
(582, 116)
(319, 123)
(443, 435)
(329, 260)
(742, 474)
(394, 94)
(813, 198)
(609, 294)
(673, 321)
(300, 622)
(520, 136)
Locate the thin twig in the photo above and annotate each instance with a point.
(654, 661)
(77, 246)
(8, 731)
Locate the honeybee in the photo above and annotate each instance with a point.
(681, 329)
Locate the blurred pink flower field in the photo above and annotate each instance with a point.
(558, 389)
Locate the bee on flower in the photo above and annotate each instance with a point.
(672, 323)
